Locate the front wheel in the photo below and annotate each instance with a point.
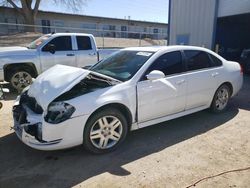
(105, 131)
(20, 79)
(221, 98)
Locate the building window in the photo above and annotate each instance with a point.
(112, 27)
(123, 28)
(156, 30)
(58, 23)
(46, 26)
(89, 26)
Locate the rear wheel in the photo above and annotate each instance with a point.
(220, 100)
(105, 131)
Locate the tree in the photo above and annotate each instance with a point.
(28, 9)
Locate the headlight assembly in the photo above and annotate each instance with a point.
(59, 112)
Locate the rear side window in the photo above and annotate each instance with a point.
(169, 63)
(197, 60)
(216, 62)
(62, 43)
(83, 43)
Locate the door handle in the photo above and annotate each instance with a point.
(179, 82)
(214, 74)
(70, 54)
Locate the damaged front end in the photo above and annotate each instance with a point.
(29, 118)
(44, 117)
(27, 114)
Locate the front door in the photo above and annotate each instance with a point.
(63, 55)
(166, 96)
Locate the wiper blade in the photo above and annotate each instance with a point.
(110, 82)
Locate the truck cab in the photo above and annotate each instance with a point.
(18, 65)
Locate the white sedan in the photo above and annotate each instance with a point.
(132, 89)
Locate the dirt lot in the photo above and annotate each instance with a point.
(176, 153)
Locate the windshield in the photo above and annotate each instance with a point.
(38, 42)
(123, 64)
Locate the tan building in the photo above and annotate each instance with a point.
(99, 26)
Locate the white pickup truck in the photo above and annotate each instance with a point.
(18, 65)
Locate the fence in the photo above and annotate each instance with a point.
(104, 38)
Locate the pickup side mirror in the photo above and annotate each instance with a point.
(155, 74)
(50, 48)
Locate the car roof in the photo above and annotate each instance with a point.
(170, 48)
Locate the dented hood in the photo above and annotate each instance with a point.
(54, 82)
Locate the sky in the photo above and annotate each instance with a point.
(144, 10)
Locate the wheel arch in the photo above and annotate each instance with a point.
(119, 106)
(30, 67)
(229, 84)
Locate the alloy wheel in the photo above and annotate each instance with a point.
(106, 132)
(222, 98)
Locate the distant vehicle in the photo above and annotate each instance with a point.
(245, 60)
(131, 89)
(18, 65)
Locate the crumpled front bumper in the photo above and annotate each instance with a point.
(53, 136)
(20, 116)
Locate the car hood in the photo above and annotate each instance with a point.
(13, 49)
(60, 79)
(16, 54)
(54, 82)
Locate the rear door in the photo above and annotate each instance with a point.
(166, 96)
(86, 53)
(64, 53)
(202, 78)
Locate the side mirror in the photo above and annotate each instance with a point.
(155, 74)
(50, 48)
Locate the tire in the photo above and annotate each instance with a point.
(221, 98)
(19, 79)
(105, 131)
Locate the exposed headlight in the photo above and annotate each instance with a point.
(59, 112)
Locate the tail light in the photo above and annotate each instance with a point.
(241, 69)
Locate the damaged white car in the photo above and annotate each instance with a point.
(134, 88)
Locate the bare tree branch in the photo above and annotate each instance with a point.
(28, 9)
(14, 5)
(35, 10)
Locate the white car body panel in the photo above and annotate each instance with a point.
(169, 97)
(149, 102)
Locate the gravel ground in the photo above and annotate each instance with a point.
(176, 153)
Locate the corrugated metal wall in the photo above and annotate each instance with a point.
(192, 22)
(233, 7)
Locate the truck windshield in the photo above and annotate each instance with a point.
(36, 43)
(123, 64)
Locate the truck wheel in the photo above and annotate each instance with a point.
(20, 79)
(105, 131)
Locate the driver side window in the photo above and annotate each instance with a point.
(62, 43)
(169, 63)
